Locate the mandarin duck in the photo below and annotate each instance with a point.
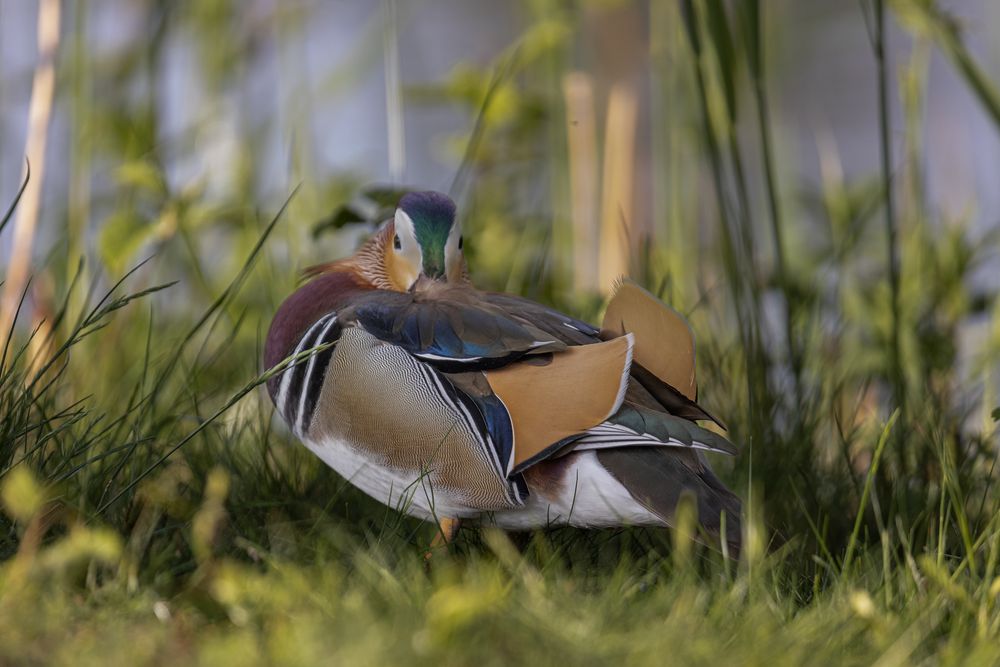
(451, 403)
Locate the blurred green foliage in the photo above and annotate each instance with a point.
(156, 512)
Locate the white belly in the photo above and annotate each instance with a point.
(591, 498)
(407, 492)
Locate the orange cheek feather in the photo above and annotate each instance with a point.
(458, 271)
(400, 270)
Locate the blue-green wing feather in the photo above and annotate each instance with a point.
(452, 335)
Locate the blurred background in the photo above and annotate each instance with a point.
(731, 157)
(814, 187)
(241, 101)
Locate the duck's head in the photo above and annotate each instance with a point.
(426, 242)
(422, 243)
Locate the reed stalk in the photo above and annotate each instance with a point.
(39, 113)
(581, 134)
(617, 186)
(891, 231)
(757, 62)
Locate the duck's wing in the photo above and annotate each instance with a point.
(550, 386)
(650, 391)
(523, 388)
(663, 369)
(557, 401)
(664, 342)
(630, 426)
(452, 334)
(553, 404)
(664, 346)
(663, 373)
(554, 323)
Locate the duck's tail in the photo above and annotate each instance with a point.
(659, 477)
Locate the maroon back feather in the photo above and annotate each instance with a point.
(328, 292)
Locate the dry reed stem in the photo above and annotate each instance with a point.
(617, 225)
(39, 113)
(581, 133)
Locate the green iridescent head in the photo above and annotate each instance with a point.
(428, 237)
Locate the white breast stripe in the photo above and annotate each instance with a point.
(300, 427)
(286, 376)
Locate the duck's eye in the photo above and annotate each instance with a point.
(396, 243)
(461, 242)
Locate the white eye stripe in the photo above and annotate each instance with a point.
(453, 249)
(404, 228)
(454, 236)
(409, 247)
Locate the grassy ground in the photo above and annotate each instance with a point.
(155, 511)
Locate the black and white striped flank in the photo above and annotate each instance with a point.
(301, 384)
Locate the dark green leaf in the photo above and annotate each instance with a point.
(10, 210)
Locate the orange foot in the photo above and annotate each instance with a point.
(447, 530)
